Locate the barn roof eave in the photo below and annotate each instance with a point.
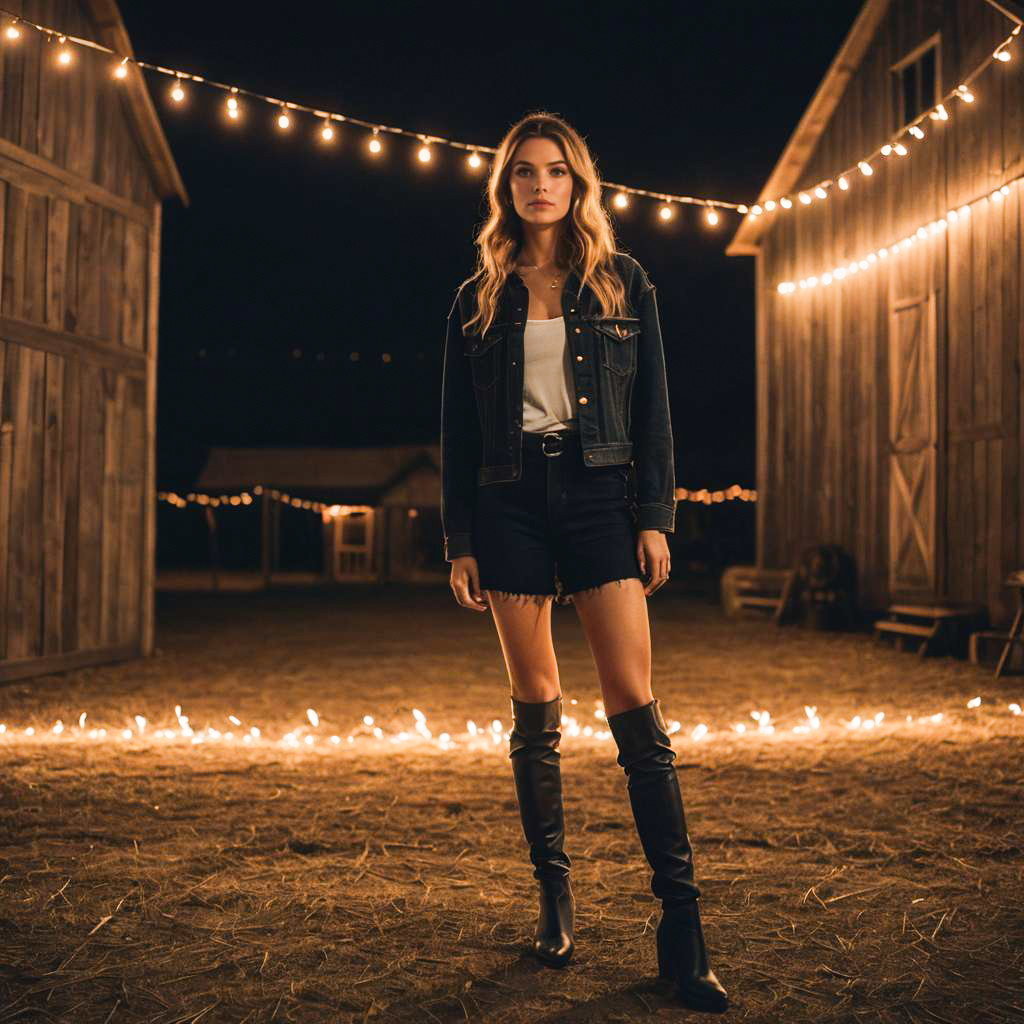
(107, 16)
(815, 119)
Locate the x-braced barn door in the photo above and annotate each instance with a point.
(913, 442)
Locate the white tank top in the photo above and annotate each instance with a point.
(547, 377)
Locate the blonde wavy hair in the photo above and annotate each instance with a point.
(586, 240)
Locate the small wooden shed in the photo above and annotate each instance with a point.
(84, 166)
(889, 397)
(383, 516)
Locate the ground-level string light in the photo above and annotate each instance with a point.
(309, 733)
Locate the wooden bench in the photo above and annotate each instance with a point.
(936, 634)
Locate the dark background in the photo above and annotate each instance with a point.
(291, 256)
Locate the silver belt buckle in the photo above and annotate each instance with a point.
(544, 441)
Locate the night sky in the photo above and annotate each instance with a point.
(291, 257)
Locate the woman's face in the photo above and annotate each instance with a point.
(540, 181)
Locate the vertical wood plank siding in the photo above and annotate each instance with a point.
(79, 251)
(829, 361)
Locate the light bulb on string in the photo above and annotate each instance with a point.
(233, 109)
(1002, 54)
(900, 149)
(712, 215)
(374, 145)
(843, 183)
(756, 210)
(177, 93)
(666, 213)
(820, 192)
(64, 56)
(769, 205)
(916, 131)
(474, 160)
(965, 94)
(785, 202)
(939, 113)
(621, 200)
(865, 168)
(121, 71)
(13, 32)
(805, 199)
(327, 132)
(424, 153)
(284, 122)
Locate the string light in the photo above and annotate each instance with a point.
(921, 232)
(121, 71)
(177, 93)
(937, 113)
(374, 144)
(64, 54)
(474, 160)
(327, 132)
(711, 216)
(621, 200)
(326, 510)
(284, 122)
(12, 32)
(311, 733)
(424, 153)
(666, 212)
(865, 168)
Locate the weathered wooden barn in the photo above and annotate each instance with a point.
(84, 166)
(889, 383)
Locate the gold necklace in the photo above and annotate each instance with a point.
(526, 266)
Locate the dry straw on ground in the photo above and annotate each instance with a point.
(848, 876)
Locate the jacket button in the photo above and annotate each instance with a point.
(579, 359)
(583, 400)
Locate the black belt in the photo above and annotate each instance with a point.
(550, 442)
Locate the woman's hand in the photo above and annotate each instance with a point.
(465, 583)
(652, 553)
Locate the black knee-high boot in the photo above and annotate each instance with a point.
(646, 754)
(533, 750)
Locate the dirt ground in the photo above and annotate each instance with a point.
(868, 874)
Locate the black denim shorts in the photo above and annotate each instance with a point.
(561, 528)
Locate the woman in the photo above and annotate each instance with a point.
(554, 383)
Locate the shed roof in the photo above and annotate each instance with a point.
(339, 474)
(141, 112)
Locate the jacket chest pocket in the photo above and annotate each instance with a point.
(617, 338)
(485, 354)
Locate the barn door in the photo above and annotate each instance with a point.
(913, 436)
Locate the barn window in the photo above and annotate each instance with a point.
(915, 83)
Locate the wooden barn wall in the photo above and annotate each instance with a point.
(825, 468)
(79, 246)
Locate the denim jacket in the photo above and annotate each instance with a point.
(619, 388)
